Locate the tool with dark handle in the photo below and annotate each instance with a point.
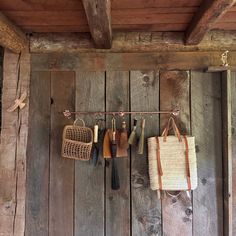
(95, 146)
(115, 180)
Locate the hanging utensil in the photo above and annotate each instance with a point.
(124, 137)
(115, 181)
(97, 143)
(133, 136)
(95, 146)
(141, 138)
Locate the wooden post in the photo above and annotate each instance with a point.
(227, 150)
(13, 144)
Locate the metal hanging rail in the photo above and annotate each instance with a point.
(68, 113)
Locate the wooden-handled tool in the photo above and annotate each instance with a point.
(97, 143)
(115, 180)
(95, 152)
(133, 137)
(141, 138)
(124, 137)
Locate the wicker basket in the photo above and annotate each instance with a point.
(77, 141)
(172, 161)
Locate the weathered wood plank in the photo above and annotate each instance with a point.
(89, 180)
(146, 208)
(206, 127)
(233, 93)
(77, 5)
(14, 134)
(61, 197)
(128, 61)
(118, 201)
(204, 19)
(11, 36)
(98, 14)
(174, 92)
(131, 41)
(227, 150)
(37, 187)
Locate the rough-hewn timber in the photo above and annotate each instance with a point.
(132, 42)
(204, 19)
(11, 36)
(98, 14)
(129, 61)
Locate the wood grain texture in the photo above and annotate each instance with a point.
(122, 4)
(40, 5)
(204, 19)
(118, 201)
(227, 150)
(61, 201)
(233, 81)
(128, 61)
(89, 180)
(11, 36)
(206, 127)
(131, 42)
(14, 135)
(146, 208)
(38, 151)
(98, 14)
(174, 92)
(57, 5)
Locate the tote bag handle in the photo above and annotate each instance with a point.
(171, 124)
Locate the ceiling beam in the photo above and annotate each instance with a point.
(131, 42)
(209, 12)
(98, 14)
(11, 36)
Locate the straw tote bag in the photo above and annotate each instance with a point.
(172, 160)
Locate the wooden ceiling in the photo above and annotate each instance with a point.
(104, 18)
(126, 15)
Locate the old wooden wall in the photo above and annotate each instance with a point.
(13, 144)
(66, 197)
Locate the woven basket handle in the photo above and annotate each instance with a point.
(79, 119)
(171, 123)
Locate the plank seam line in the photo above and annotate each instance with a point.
(130, 162)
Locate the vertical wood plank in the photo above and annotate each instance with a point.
(206, 127)
(61, 202)
(146, 208)
(174, 92)
(89, 180)
(13, 143)
(118, 202)
(38, 155)
(227, 150)
(233, 93)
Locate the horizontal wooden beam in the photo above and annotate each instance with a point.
(132, 42)
(210, 11)
(128, 61)
(11, 36)
(98, 14)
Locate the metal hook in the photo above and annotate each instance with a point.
(224, 58)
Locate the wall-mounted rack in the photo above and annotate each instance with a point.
(68, 114)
